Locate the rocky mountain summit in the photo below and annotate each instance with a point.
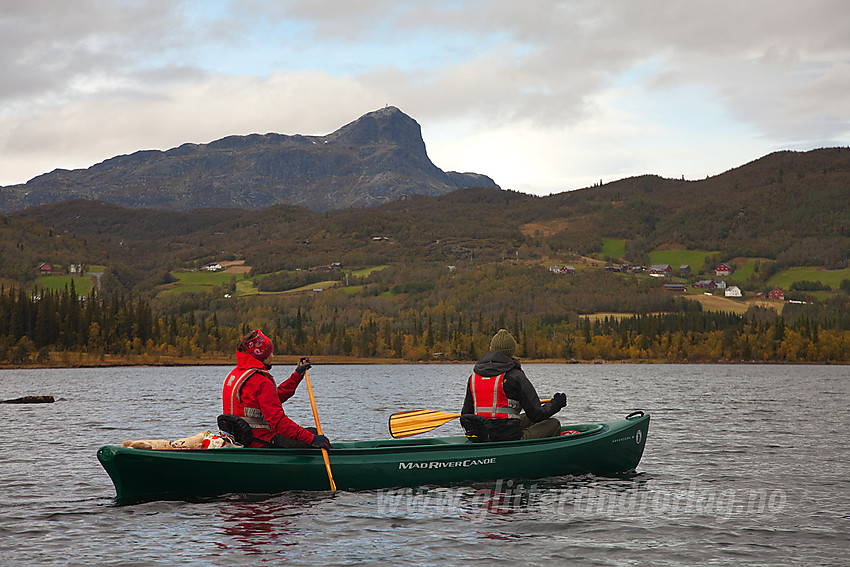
(376, 159)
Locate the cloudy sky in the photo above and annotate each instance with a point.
(542, 96)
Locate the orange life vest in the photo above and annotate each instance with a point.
(489, 399)
(232, 398)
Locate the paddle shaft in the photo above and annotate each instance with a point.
(319, 429)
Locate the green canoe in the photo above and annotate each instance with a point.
(602, 449)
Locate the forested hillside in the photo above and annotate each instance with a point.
(434, 277)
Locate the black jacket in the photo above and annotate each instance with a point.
(516, 384)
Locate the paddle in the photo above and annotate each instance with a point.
(414, 422)
(319, 430)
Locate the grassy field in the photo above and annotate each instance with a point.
(785, 278)
(744, 268)
(82, 284)
(202, 281)
(718, 303)
(676, 258)
(363, 272)
(613, 248)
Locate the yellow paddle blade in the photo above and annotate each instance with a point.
(414, 422)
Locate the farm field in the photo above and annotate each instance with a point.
(362, 273)
(613, 248)
(203, 281)
(200, 281)
(245, 287)
(82, 284)
(676, 258)
(719, 303)
(785, 278)
(744, 268)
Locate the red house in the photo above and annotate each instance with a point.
(723, 270)
(45, 269)
(776, 294)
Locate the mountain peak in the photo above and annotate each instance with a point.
(373, 160)
(386, 125)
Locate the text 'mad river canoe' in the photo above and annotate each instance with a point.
(603, 449)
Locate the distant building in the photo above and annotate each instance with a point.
(776, 293)
(45, 269)
(212, 267)
(660, 270)
(684, 269)
(75, 269)
(733, 291)
(705, 284)
(723, 270)
(674, 287)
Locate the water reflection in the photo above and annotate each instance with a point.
(250, 524)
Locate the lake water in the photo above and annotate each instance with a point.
(744, 465)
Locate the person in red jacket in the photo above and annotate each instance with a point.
(250, 393)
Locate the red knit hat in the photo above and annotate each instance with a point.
(257, 345)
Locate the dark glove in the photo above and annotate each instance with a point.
(560, 400)
(303, 366)
(320, 442)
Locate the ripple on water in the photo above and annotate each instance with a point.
(744, 465)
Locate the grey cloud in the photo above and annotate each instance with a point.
(780, 66)
(554, 57)
(46, 46)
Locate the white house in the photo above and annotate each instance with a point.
(733, 291)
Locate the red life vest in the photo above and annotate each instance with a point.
(489, 399)
(231, 396)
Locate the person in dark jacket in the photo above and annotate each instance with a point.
(501, 404)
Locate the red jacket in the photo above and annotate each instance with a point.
(258, 391)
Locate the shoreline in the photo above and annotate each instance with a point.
(83, 360)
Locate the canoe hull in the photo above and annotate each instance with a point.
(603, 449)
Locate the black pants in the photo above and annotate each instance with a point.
(281, 442)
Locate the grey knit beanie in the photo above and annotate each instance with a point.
(503, 342)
